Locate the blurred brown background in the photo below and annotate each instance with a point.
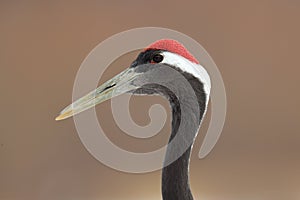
(255, 45)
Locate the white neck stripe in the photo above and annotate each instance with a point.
(185, 65)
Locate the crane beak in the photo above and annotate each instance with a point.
(118, 85)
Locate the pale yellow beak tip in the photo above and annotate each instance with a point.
(58, 118)
(64, 115)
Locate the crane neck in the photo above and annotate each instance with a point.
(185, 125)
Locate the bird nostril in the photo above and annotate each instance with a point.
(110, 86)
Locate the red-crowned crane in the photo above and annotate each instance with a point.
(155, 71)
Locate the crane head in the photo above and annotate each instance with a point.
(148, 66)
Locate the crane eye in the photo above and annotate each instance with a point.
(157, 58)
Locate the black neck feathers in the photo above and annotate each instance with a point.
(175, 176)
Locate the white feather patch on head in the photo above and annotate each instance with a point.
(186, 65)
